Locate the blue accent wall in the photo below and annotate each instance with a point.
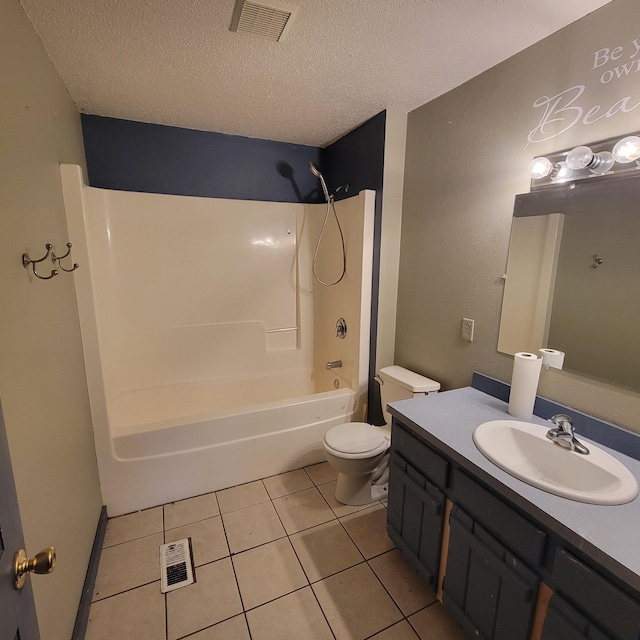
(137, 156)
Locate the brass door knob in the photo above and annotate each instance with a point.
(43, 562)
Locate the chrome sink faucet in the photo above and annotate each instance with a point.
(562, 434)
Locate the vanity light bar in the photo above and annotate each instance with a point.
(612, 157)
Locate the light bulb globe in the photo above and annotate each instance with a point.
(540, 167)
(579, 158)
(627, 150)
(602, 163)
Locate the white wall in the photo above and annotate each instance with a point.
(42, 383)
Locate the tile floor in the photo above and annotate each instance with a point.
(275, 559)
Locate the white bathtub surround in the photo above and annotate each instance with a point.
(205, 337)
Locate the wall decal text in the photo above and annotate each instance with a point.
(566, 109)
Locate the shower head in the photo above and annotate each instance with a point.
(318, 174)
(315, 170)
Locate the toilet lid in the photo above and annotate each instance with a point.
(355, 437)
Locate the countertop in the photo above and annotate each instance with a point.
(608, 534)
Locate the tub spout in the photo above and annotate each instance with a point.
(333, 364)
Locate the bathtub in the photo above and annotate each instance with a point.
(170, 443)
(205, 338)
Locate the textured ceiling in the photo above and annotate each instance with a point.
(175, 62)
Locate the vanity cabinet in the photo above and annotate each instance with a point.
(495, 555)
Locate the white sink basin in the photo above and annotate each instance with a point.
(522, 450)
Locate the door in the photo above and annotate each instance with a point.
(17, 609)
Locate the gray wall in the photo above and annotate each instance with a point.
(42, 383)
(467, 158)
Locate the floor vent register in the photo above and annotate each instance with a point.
(176, 565)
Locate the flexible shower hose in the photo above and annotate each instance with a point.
(330, 206)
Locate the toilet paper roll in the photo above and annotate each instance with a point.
(552, 358)
(524, 384)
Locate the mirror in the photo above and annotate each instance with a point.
(573, 278)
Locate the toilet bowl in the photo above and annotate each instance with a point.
(355, 450)
(359, 452)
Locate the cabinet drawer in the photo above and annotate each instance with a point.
(601, 601)
(518, 533)
(433, 466)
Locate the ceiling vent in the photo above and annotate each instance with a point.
(269, 20)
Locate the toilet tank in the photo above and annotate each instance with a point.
(397, 383)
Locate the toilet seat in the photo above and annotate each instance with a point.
(356, 440)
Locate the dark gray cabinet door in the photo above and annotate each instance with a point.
(563, 622)
(415, 517)
(489, 591)
(603, 605)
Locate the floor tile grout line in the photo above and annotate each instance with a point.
(288, 536)
(235, 575)
(404, 617)
(367, 561)
(138, 586)
(296, 552)
(209, 626)
(324, 615)
(305, 528)
(226, 537)
(119, 544)
(382, 584)
(248, 505)
(352, 539)
(246, 621)
(188, 524)
(233, 568)
(364, 560)
(309, 584)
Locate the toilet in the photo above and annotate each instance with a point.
(359, 452)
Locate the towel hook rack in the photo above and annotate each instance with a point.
(26, 261)
(55, 258)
